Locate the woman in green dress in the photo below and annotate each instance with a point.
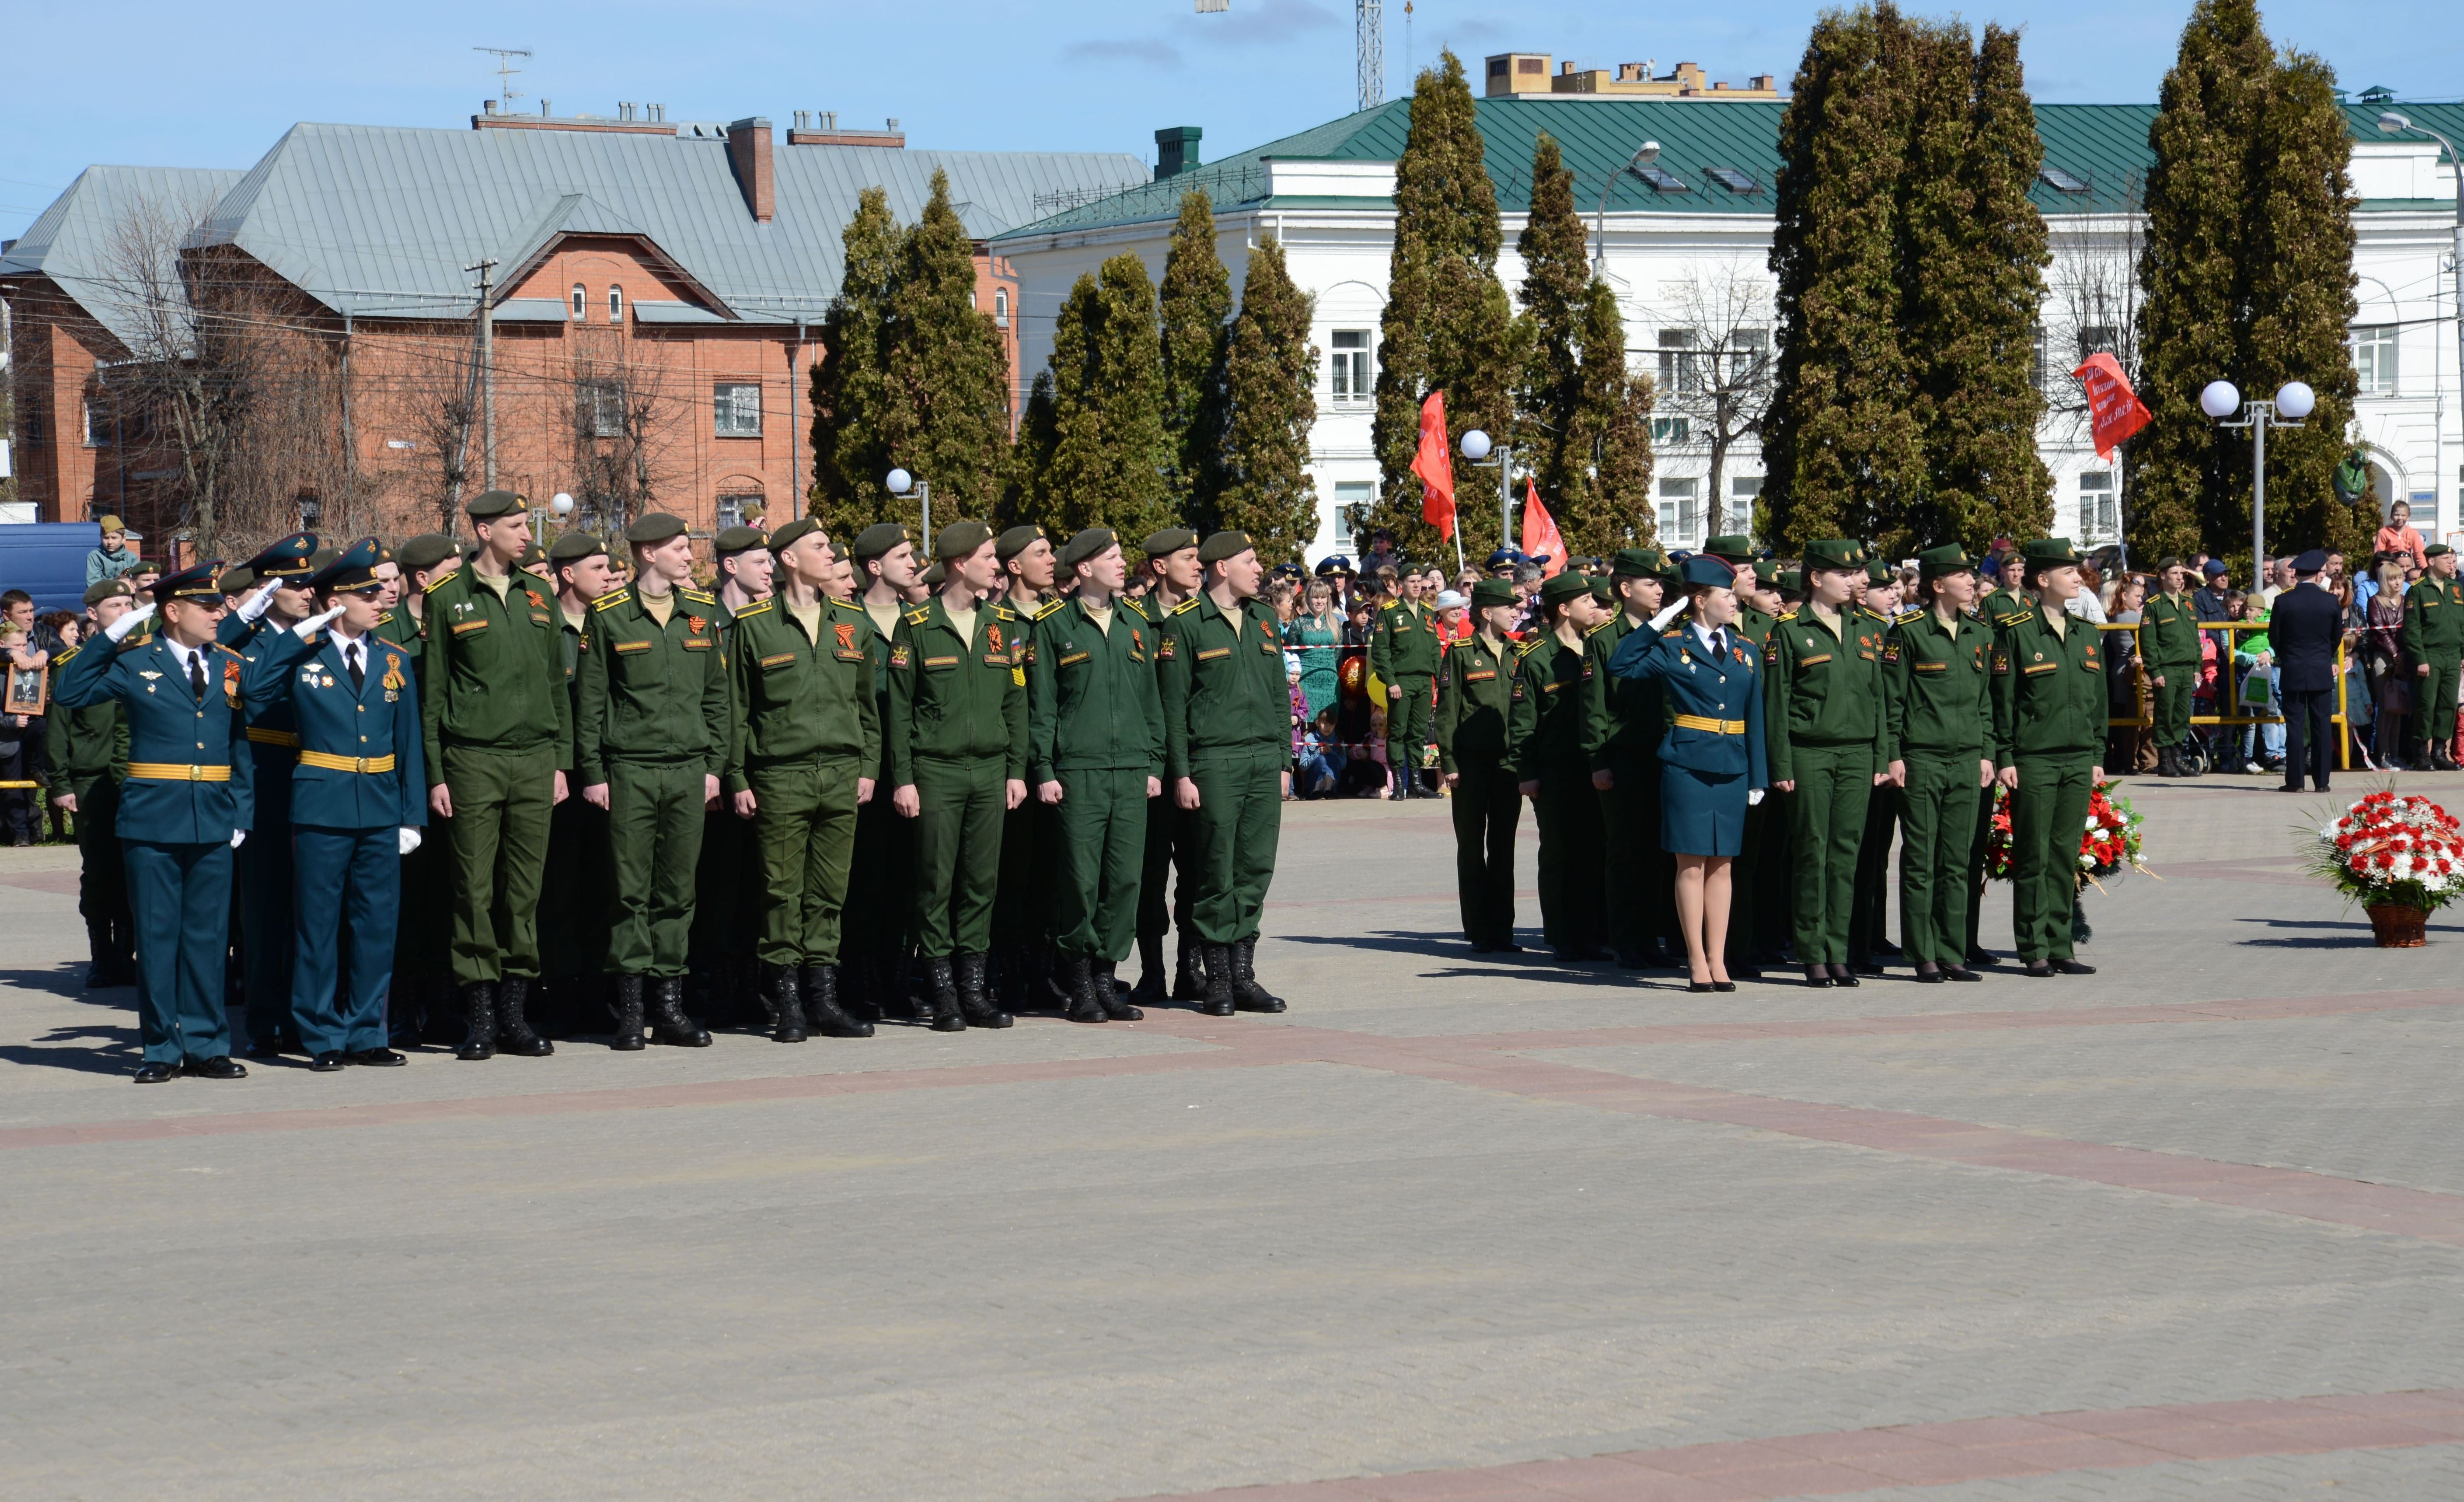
(1315, 637)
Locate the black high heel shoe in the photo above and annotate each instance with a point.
(1701, 988)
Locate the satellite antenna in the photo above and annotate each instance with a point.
(506, 93)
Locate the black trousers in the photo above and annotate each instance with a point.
(2309, 736)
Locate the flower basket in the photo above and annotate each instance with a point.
(2396, 926)
(2110, 841)
(2399, 855)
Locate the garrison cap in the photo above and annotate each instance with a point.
(2433, 550)
(732, 540)
(1734, 546)
(353, 568)
(1017, 540)
(1489, 593)
(654, 527)
(878, 539)
(425, 551)
(287, 560)
(108, 589)
(1088, 543)
(2314, 561)
(111, 524)
(1171, 540)
(575, 547)
(959, 538)
(2048, 552)
(1834, 552)
(1564, 586)
(1703, 571)
(1225, 544)
(196, 581)
(235, 580)
(490, 504)
(793, 533)
(1951, 559)
(1638, 563)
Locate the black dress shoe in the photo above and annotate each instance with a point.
(151, 1072)
(1961, 973)
(1818, 975)
(1841, 975)
(1724, 985)
(329, 1062)
(1929, 974)
(224, 1068)
(1701, 988)
(2295, 788)
(1482, 946)
(1886, 949)
(1983, 956)
(2069, 966)
(375, 1059)
(2040, 970)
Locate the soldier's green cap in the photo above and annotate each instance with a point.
(654, 527)
(1489, 593)
(959, 538)
(793, 533)
(1088, 543)
(319, 559)
(490, 504)
(426, 551)
(575, 547)
(1703, 572)
(1877, 572)
(1567, 585)
(1225, 544)
(108, 589)
(352, 568)
(1603, 590)
(1638, 563)
(1790, 580)
(1017, 540)
(2436, 550)
(1765, 572)
(2048, 552)
(732, 540)
(879, 538)
(1951, 559)
(233, 581)
(1171, 540)
(2170, 560)
(289, 559)
(934, 575)
(1734, 546)
(532, 557)
(1834, 552)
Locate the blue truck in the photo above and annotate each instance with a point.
(47, 560)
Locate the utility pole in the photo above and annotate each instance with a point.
(487, 373)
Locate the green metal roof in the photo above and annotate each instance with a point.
(2102, 147)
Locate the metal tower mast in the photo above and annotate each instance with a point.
(1369, 16)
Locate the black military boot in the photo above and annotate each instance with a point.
(1078, 980)
(780, 1004)
(941, 998)
(629, 1015)
(1109, 995)
(973, 1004)
(821, 1006)
(1149, 988)
(1221, 998)
(1247, 994)
(98, 968)
(479, 1005)
(669, 1024)
(1189, 979)
(514, 1032)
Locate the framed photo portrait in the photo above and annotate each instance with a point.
(29, 691)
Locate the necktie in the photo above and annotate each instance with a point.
(359, 669)
(1718, 644)
(197, 675)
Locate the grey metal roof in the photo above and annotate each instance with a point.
(77, 240)
(380, 220)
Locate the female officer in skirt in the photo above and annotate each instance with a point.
(1711, 764)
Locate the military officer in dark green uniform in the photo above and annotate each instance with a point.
(1174, 576)
(1475, 688)
(2049, 715)
(2168, 634)
(1942, 713)
(650, 745)
(804, 740)
(1404, 657)
(88, 752)
(1545, 731)
(958, 758)
(499, 738)
(879, 934)
(1024, 922)
(2433, 646)
(1830, 745)
(1623, 723)
(1228, 738)
(280, 601)
(422, 1008)
(1094, 756)
(2004, 606)
(1868, 938)
(720, 984)
(578, 890)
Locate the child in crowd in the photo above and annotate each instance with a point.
(1321, 757)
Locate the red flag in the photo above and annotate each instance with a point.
(1435, 465)
(1540, 530)
(2114, 409)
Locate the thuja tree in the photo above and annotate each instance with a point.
(1099, 448)
(1196, 301)
(852, 392)
(1269, 402)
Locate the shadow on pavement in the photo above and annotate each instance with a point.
(116, 1050)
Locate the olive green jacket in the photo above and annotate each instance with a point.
(952, 698)
(2433, 620)
(1475, 690)
(85, 744)
(1623, 719)
(2169, 629)
(795, 700)
(1940, 681)
(1825, 688)
(650, 692)
(1544, 722)
(1091, 699)
(493, 673)
(1403, 643)
(2049, 697)
(1221, 681)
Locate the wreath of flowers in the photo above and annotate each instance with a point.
(2110, 841)
(2391, 849)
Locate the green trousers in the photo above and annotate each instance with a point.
(1240, 817)
(1937, 824)
(1868, 907)
(1407, 724)
(1826, 820)
(2172, 703)
(803, 819)
(2433, 702)
(1172, 851)
(1100, 826)
(103, 875)
(1488, 807)
(1567, 813)
(654, 814)
(1641, 874)
(1980, 840)
(2048, 812)
(957, 854)
(501, 802)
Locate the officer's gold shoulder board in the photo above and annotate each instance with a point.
(1785, 615)
(1596, 629)
(67, 657)
(1002, 612)
(918, 616)
(849, 605)
(1186, 606)
(755, 608)
(439, 584)
(1046, 608)
(612, 599)
(228, 653)
(1674, 631)
(387, 641)
(697, 597)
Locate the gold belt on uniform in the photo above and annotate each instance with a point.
(347, 764)
(274, 738)
(174, 772)
(1717, 727)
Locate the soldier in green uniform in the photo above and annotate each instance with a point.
(421, 1007)
(500, 737)
(2168, 634)
(88, 752)
(1623, 723)
(2006, 605)
(1404, 657)
(720, 984)
(1174, 575)
(805, 739)
(1868, 936)
(1094, 757)
(579, 889)
(1024, 922)
(1544, 733)
(2433, 644)
(1942, 714)
(1830, 745)
(1476, 688)
(649, 743)
(280, 601)
(880, 907)
(2049, 714)
(1227, 739)
(958, 758)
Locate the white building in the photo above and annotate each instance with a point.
(1692, 235)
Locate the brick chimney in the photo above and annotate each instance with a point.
(748, 152)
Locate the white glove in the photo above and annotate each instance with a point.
(238, 835)
(1753, 795)
(408, 838)
(309, 626)
(259, 603)
(1660, 622)
(119, 630)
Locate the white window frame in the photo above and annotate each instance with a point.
(2375, 347)
(1001, 307)
(1351, 380)
(580, 304)
(1351, 499)
(606, 409)
(615, 304)
(2099, 512)
(1681, 510)
(729, 507)
(728, 410)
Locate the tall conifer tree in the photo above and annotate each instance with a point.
(1196, 302)
(852, 392)
(1109, 455)
(1271, 401)
(949, 368)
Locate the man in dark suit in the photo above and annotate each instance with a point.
(2303, 628)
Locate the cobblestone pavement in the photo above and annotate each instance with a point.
(1453, 1228)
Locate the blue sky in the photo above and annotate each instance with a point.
(164, 83)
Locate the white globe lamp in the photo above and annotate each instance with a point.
(560, 504)
(1475, 445)
(2220, 399)
(900, 482)
(2295, 400)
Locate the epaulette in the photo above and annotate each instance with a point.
(843, 605)
(1908, 615)
(1785, 615)
(1045, 610)
(2013, 619)
(1596, 629)
(67, 657)
(442, 582)
(387, 641)
(228, 653)
(1527, 648)
(612, 599)
(919, 615)
(757, 607)
(1674, 631)
(141, 639)
(385, 617)
(697, 597)
(1002, 612)
(1187, 606)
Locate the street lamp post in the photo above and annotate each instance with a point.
(2294, 401)
(1643, 156)
(902, 483)
(1477, 448)
(2395, 123)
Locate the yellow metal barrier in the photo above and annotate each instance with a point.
(2231, 683)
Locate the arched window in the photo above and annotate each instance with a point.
(615, 304)
(1001, 307)
(581, 303)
